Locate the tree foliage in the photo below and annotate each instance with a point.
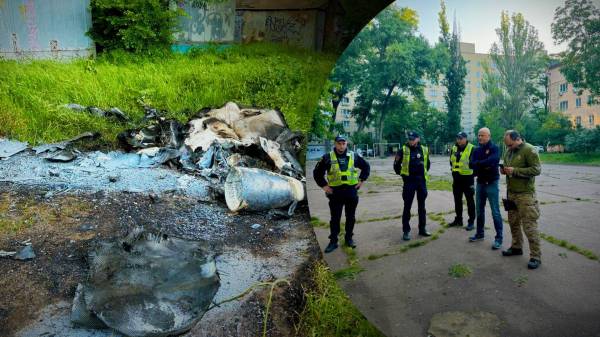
(517, 64)
(584, 140)
(133, 25)
(391, 62)
(578, 23)
(454, 77)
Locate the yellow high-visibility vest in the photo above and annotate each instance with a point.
(406, 161)
(337, 177)
(461, 166)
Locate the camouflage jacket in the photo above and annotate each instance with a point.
(526, 163)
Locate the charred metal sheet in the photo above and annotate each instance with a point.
(11, 147)
(64, 144)
(147, 285)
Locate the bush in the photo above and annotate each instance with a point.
(133, 25)
(584, 140)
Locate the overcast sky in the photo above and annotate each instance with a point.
(478, 19)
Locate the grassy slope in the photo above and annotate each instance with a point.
(32, 93)
(328, 311)
(571, 158)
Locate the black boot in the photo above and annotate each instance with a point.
(512, 252)
(456, 223)
(331, 247)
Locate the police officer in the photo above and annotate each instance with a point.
(412, 163)
(463, 181)
(521, 165)
(341, 187)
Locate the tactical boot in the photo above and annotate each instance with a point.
(350, 243)
(534, 263)
(456, 223)
(331, 247)
(512, 252)
(406, 236)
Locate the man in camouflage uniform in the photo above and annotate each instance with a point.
(521, 165)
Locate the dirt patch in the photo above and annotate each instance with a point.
(464, 324)
(60, 245)
(64, 228)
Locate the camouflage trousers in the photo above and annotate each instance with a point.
(525, 217)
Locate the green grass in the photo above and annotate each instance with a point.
(328, 311)
(571, 158)
(316, 222)
(436, 184)
(520, 280)
(32, 93)
(459, 270)
(572, 247)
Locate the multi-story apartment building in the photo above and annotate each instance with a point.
(344, 115)
(474, 94)
(576, 103)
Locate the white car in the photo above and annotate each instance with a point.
(539, 148)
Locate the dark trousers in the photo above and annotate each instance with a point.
(460, 186)
(337, 202)
(411, 187)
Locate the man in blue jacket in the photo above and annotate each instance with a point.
(485, 163)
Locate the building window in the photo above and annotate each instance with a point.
(345, 100)
(564, 105)
(590, 100)
(563, 88)
(578, 120)
(591, 120)
(346, 124)
(578, 102)
(432, 93)
(478, 74)
(346, 113)
(478, 85)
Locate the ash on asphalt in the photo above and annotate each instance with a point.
(76, 206)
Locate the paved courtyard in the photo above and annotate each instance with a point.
(406, 288)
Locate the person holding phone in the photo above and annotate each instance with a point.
(521, 165)
(341, 188)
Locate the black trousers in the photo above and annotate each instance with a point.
(464, 185)
(345, 199)
(412, 186)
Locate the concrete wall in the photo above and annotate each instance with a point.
(301, 28)
(45, 29)
(211, 23)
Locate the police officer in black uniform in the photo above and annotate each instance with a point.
(341, 188)
(463, 180)
(412, 163)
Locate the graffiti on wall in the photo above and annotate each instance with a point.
(207, 22)
(297, 28)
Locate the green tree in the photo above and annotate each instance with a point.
(137, 26)
(518, 63)
(584, 140)
(578, 23)
(454, 79)
(393, 60)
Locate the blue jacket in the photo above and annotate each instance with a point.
(485, 162)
